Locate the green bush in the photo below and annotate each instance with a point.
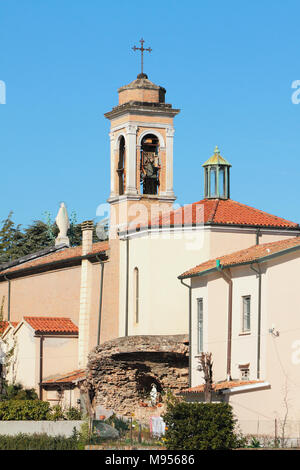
(17, 410)
(38, 442)
(73, 414)
(17, 392)
(120, 424)
(200, 426)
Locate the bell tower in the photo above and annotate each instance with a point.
(141, 150)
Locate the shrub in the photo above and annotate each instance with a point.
(17, 392)
(17, 410)
(200, 426)
(120, 424)
(55, 413)
(38, 442)
(73, 413)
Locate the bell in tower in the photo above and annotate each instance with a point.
(216, 177)
(141, 136)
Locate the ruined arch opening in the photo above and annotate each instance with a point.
(144, 384)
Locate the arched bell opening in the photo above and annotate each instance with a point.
(121, 166)
(150, 164)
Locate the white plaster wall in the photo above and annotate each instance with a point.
(26, 359)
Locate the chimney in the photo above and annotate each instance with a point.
(87, 228)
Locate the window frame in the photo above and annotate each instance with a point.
(200, 326)
(246, 315)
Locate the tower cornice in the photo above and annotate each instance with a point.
(144, 108)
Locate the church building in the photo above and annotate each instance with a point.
(128, 285)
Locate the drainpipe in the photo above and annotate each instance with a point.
(190, 330)
(258, 234)
(100, 300)
(258, 273)
(8, 297)
(41, 368)
(228, 279)
(127, 286)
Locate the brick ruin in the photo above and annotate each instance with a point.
(120, 373)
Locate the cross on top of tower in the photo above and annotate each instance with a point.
(142, 49)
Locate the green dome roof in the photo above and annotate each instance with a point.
(216, 159)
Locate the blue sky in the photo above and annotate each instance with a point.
(228, 65)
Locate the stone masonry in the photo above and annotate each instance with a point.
(120, 373)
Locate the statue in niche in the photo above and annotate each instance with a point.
(150, 173)
(153, 395)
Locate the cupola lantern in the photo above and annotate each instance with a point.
(216, 177)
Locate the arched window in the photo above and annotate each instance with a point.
(136, 294)
(150, 164)
(121, 165)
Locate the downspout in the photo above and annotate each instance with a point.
(228, 279)
(258, 234)
(8, 297)
(258, 273)
(190, 330)
(127, 286)
(100, 300)
(41, 368)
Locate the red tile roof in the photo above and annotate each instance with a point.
(222, 386)
(65, 254)
(219, 212)
(248, 255)
(73, 376)
(3, 325)
(52, 325)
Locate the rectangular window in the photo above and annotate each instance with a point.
(246, 313)
(200, 325)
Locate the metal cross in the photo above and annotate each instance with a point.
(142, 49)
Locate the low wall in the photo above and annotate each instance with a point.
(52, 428)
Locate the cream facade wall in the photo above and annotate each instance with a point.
(52, 293)
(25, 366)
(280, 351)
(160, 257)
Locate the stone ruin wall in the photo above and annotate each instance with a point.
(121, 372)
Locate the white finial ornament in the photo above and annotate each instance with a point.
(62, 221)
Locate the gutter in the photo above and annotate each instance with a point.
(190, 330)
(226, 276)
(41, 368)
(8, 296)
(258, 260)
(246, 388)
(53, 264)
(258, 273)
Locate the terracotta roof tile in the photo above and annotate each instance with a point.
(219, 212)
(221, 386)
(52, 325)
(73, 376)
(248, 255)
(3, 325)
(64, 254)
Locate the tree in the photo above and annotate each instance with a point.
(11, 240)
(15, 243)
(205, 366)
